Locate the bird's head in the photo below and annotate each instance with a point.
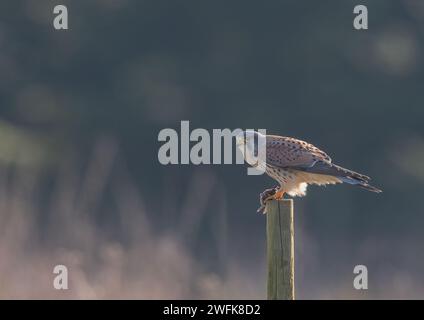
(249, 138)
(247, 142)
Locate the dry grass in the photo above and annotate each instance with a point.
(134, 262)
(128, 257)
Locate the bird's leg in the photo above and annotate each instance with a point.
(279, 195)
(267, 195)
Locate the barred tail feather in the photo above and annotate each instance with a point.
(345, 175)
(363, 184)
(371, 188)
(329, 168)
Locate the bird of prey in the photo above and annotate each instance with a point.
(294, 164)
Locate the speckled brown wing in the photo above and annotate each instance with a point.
(286, 152)
(290, 153)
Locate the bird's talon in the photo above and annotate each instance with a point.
(261, 209)
(265, 196)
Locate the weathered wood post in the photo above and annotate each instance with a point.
(280, 249)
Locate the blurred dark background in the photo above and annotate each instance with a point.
(80, 111)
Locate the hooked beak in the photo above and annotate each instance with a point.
(239, 141)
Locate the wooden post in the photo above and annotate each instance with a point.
(280, 249)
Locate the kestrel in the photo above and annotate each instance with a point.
(294, 164)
